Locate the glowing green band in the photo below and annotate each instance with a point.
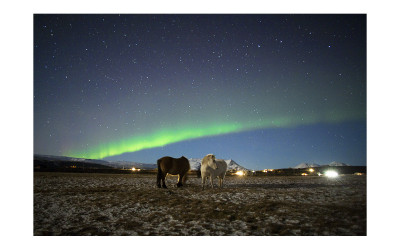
(192, 131)
(157, 139)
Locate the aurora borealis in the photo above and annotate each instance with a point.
(268, 91)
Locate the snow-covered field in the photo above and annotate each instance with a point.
(129, 204)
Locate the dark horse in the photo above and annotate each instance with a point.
(173, 166)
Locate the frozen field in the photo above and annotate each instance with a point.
(128, 204)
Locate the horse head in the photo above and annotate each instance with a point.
(211, 161)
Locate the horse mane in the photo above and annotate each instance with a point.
(204, 160)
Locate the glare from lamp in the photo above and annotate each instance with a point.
(331, 174)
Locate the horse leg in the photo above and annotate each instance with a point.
(211, 181)
(179, 184)
(163, 181)
(220, 182)
(184, 179)
(203, 181)
(159, 176)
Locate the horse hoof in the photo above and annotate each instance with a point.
(179, 185)
(164, 186)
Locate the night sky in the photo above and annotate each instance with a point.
(269, 91)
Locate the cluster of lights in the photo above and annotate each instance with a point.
(329, 173)
(268, 170)
(135, 169)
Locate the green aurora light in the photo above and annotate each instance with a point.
(164, 137)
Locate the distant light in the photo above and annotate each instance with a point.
(135, 169)
(240, 173)
(304, 174)
(311, 170)
(331, 173)
(319, 174)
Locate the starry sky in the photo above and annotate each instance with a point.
(269, 91)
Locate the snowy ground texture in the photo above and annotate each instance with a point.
(129, 204)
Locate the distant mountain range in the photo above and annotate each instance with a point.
(194, 163)
(101, 163)
(314, 165)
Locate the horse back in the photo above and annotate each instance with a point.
(184, 164)
(173, 166)
(164, 163)
(221, 164)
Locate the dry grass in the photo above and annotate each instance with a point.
(112, 204)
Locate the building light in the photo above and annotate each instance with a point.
(240, 173)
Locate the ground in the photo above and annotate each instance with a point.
(131, 204)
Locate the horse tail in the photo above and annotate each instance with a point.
(159, 173)
(158, 166)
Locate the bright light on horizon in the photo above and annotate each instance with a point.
(331, 173)
(240, 173)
